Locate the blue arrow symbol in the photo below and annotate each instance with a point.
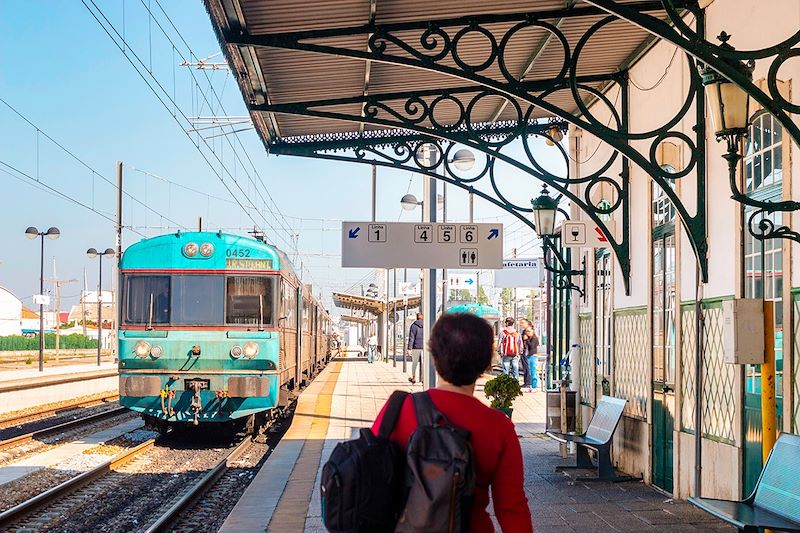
(353, 233)
(469, 281)
(494, 233)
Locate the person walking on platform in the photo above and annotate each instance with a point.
(372, 347)
(461, 348)
(523, 359)
(415, 347)
(509, 346)
(531, 348)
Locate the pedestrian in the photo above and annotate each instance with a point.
(531, 342)
(509, 346)
(415, 347)
(461, 348)
(372, 347)
(523, 360)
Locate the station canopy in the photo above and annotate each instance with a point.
(374, 306)
(323, 51)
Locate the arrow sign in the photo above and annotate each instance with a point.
(493, 233)
(469, 281)
(353, 233)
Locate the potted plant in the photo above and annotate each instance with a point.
(502, 390)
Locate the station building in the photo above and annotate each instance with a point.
(641, 345)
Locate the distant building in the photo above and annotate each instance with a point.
(29, 320)
(10, 313)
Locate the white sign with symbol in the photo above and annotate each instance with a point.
(41, 299)
(461, 281)
(409, 288)
(412, 245)
(519, 273)
(578, 234)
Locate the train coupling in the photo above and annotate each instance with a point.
(167, 396)
(196, 404)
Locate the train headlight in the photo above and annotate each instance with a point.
(156, 351)
(250, 349)
(142, 349)
(236, 352)
(190, 249)
(206, 249)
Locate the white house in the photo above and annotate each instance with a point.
(10, 313)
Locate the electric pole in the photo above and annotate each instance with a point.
(57, 283)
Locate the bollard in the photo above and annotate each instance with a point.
(563, 404)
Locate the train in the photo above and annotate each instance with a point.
(215, 329)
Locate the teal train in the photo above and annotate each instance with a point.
(214, 329)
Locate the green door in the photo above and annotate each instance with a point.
(663, 328)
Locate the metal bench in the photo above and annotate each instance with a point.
(598, 438)
(775, 501)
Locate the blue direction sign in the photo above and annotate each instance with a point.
(493, 233)
(353, 233)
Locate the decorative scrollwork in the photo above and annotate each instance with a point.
(761, 227)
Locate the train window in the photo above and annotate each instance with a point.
(305, 316)
(249, 300)
(289, 305)
(198, 300)
(147, 300)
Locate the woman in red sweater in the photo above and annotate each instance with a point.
(461, 346)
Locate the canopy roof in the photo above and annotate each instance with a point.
(265, 41)
(373, 305)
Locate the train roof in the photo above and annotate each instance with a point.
(229, 252)
(483, 311)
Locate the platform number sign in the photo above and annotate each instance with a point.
(377, 233)
(447, 234)
(468, 234)
(423, 233)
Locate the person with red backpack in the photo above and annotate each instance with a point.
(509, 346)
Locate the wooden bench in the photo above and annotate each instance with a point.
(598, 438)
(775, 501)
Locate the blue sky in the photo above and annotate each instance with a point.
(66, 76)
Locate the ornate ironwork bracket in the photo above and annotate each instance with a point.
(562, 276)
(433, 46)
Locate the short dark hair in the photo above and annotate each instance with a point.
(509, 321)
(461, 346)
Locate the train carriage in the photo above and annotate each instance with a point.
(214, 328)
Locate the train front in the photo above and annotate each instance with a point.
(198, 341)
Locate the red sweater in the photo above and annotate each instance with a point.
(497, 455)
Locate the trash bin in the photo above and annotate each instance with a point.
(553, 422)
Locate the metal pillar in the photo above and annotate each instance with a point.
(116, 281)
(41, 307)
(99, 306)
(429, 275)
(405, 319)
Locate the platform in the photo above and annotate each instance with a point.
(54, 384)
(347, 395)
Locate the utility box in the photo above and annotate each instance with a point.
(743, 331)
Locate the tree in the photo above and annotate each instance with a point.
(482, 298)
(505, 300)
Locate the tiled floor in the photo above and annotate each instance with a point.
(348, 395)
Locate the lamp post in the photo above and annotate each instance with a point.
(91, 253)
(52, 234)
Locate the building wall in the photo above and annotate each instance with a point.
(658, 84)
(10, 313)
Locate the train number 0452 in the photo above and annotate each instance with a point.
(237, 252)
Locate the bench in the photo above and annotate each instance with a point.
(775, 501)
(598, 438)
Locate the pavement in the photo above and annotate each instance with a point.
(347, 395)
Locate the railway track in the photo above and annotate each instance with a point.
(58, 428)
(55, 411)
(37, 503)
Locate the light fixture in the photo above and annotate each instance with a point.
(554, 135)
(31, 233)
(463, 160)
(250, 349)
(53, 233)
(142, 349)
(91, 253)
(728, 104)
(156, 351)
(409, 202)
(190, 249)
(544, 208)
(236, 352)
(206, 249)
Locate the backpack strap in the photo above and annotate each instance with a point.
(392, 413)
(427, 413)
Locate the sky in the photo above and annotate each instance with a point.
(73, 105)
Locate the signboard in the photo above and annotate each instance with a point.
(41, 299)
(519, 273)
(578, 234)
(427, 245)
(461, 281)
(408, 288)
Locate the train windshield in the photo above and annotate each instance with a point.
(198, 300)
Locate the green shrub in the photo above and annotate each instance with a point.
(502, 390)
(68, 342)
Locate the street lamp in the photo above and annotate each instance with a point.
(729, 106)
(463, 160)
(52, 234)
(91, 253)
(554, 135)
(544, 209)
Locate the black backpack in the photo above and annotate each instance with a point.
(440, 474)
(362, 482)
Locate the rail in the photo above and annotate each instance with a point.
(34, 417)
